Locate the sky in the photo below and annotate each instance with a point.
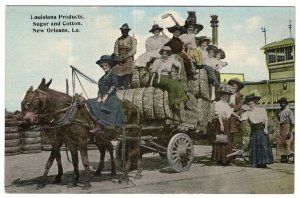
(33, 56)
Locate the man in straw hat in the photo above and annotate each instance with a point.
(153, 45)
(287, 121)
(177, 47)
(124, 51)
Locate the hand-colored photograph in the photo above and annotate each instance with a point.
(149, 99)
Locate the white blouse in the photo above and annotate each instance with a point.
(222, 108)
(153, 46)
(212, 62)
(220, 65)
(156, 43)
(255, 116)
(164, 66)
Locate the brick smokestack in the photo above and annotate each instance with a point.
(214, 24)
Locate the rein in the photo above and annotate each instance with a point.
(66, 119)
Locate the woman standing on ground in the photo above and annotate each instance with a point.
(221, 126)
(260, 151)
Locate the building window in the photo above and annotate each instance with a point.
(280, 55)
(271, 56)
(289, 53)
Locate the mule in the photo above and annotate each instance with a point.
(44, 106)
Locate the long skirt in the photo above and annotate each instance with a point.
(260, 148)
(108, 114)
(174, 88)
(283, 142)
(220, 151)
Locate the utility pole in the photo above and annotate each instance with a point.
(290, 27)
(263, 29)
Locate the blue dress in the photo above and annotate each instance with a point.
(110, 113)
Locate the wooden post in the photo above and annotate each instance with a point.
(67, 87)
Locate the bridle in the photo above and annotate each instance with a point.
(66, 119)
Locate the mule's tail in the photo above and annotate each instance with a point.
(66, 146)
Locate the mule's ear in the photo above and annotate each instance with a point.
(42, 84)
(30, 89)
(49, 83)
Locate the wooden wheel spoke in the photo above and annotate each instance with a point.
(180, 152)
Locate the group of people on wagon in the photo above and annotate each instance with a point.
(161, 58)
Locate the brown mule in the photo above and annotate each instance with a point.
(42, 106)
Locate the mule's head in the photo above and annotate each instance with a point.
(34, 102)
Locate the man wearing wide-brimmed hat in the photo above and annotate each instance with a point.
(285, 138)
(124, 51)
(177, 47)
(236, 102)
(153, 45)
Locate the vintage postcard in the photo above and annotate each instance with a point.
(181, 99)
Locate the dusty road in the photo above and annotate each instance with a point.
(22, 174)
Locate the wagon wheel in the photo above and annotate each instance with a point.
(180, 152)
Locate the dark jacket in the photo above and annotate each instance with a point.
(175, 44)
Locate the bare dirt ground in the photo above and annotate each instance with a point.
(22, 174)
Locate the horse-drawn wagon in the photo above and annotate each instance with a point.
(164, 130)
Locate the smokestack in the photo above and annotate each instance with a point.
(214, 24)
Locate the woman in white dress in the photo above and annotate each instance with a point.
(153, 45)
